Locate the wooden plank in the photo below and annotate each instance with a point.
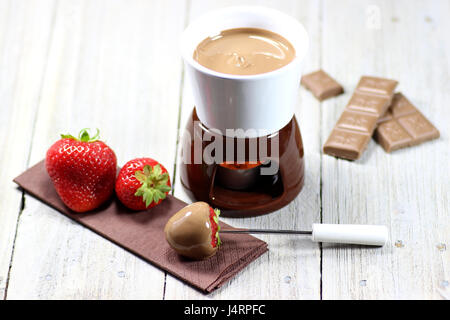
(25, 30)
(291, 268)
(408, 189)
(113, 66)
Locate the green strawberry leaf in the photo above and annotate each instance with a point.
(83, 136)
(216, 220)
(154, 184)
(68, 136)
(140, 176)
(164, 188)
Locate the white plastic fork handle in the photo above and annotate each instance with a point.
(369, 235)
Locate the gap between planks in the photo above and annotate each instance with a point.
(321, 8)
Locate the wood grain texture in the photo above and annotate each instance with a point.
(291, 268)
(104, 70)
(407, 189)
(25, 31)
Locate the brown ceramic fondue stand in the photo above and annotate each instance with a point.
(241, 192)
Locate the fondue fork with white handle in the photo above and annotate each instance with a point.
(369, 235)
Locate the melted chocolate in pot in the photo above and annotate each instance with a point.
(244, 51)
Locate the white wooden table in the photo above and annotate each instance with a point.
(115, 65)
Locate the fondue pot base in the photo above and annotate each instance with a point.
(239, 189)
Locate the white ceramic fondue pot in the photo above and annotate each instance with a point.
(254, 103)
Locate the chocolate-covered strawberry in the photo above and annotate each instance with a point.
(83, 170)
(142, 183)
(194, 231)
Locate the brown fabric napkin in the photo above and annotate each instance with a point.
(142, 233)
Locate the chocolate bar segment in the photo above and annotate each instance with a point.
(321, 85)
(357, 123)
(403, 126)
(346, 144)
(377, 86)
(368, 103)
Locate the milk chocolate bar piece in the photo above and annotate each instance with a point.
(403, 126)
(376, 86)
(321, 85)
(357, 123)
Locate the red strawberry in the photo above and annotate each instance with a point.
(193, 231)
(215, 228)
(142, 184)
(83, 170)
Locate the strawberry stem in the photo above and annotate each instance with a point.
(216, 219)
(154, 184)
(215, 227)
(83, 136)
